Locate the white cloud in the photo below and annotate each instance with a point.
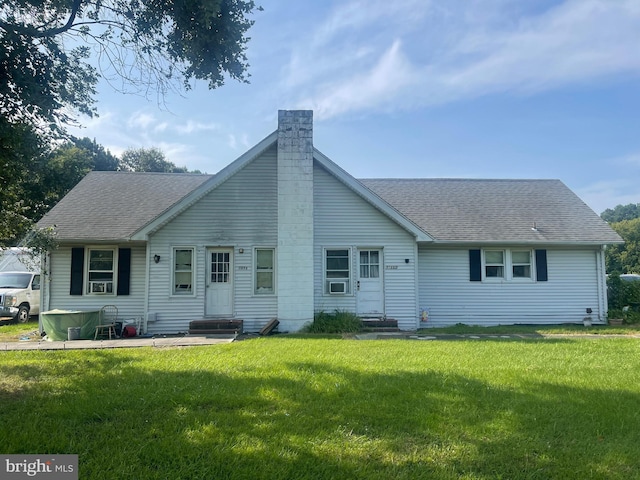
(610, 193)
(192, 126)
(141, 120)
(361, 14)
(575, 42)
(235, 142)
(631, 159)
(458, 50)
(391, 73)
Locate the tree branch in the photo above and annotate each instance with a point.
(36, 33)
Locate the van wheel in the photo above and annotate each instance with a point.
(23, 314)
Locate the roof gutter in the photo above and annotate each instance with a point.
(565, 243)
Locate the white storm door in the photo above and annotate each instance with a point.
(219, 281)
(369, 285)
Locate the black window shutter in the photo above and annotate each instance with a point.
(124, 271)
(77, 270)
(475, 266)
(541, 265)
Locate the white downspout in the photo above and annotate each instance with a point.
(145, 314)
(603, 306)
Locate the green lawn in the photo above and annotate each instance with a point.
(295, 408)
(13, 332)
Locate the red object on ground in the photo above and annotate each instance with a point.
(129, 331)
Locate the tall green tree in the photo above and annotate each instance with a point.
(149, 160)
(53, 52)
(144, 46)
(621, 212)
(625, 220)
(49, 175)
(101, 159)
(625, 258)
(20, 145)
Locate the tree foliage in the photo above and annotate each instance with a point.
(20, 147)
(621, 212)
(52, 54)
(148, 160)
(45, 46)
(625, 258)
(625, 220)
(31, 191)
(621, 293)
(101, 159)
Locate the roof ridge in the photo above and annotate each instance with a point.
(122, 172)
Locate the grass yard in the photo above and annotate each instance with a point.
(293, 408)
(13, 332)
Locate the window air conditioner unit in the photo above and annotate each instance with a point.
(337, 288)
(101, 287)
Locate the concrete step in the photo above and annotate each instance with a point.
(204, 327)
(380, 325)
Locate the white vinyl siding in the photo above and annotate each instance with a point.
(342, 219)
(450, 298)
(238, 214)
(56, 293)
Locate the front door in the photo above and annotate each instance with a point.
(369, 287)
(219, 281)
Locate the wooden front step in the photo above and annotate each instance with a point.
(387, 325)
(210, 327)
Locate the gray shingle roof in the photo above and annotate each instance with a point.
(112, 206)
(463, 210)
(107, 206)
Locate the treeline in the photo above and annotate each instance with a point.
(625, 258)
(34, 176)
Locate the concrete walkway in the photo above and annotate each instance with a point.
(482, 336)
(194, 340)
(158, 342)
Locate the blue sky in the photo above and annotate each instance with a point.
(420, 88)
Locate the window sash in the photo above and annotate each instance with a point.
(220, 267)
(264, 278)
(508, 265)
(183, 271)
(494, 263)
(337, 267)
(101, 271)
(369, 264)
(521, 263)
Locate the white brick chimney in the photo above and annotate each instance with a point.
(295, 219)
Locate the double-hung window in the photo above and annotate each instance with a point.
(337, 271)
(183, 271)
(264, 271)
(494, 263)
(508, 264)
(101, 271)
(521, 263)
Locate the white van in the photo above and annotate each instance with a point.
(19, 296)
(19, 285)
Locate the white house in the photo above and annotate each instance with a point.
(283, 232)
